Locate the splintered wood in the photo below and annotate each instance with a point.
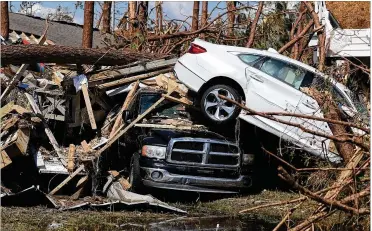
(88, 105)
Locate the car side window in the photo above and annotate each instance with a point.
(285, 72)
(249, 59)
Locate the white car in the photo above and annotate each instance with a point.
(267, 82)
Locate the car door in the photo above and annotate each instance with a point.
(273, 87)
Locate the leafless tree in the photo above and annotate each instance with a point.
(106, 16)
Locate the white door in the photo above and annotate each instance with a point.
(273, 87)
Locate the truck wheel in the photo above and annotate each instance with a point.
(217, 110)
(134, 176)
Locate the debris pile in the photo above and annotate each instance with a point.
(43, 112)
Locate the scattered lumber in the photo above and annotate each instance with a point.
(70, 177)
(4, 159)
(47, 130)
(70, 158)
(88, 105)
(17, 143)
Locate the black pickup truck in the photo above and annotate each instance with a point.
(172, 153)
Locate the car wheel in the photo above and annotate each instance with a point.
(217, 110)
(134, 175)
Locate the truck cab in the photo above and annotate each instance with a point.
(173, 153)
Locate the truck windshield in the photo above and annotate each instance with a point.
(165, 109)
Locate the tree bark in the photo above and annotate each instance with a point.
(195, 16)
(297, 38)
(132, 6)
(19, 54)
(4, 20)
(331, 111)
(106, 17)
(142, 15)
(254, 25)
(88, 24)
(230, 17)
(159, 17)
(204, 17)
(321, 36)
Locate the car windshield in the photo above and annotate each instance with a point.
(360, 106)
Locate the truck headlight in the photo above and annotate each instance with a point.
(248, 159)
(154, 151)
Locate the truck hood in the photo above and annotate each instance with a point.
(162, 137)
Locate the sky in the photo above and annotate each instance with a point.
(171, 9)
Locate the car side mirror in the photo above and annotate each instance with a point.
(126, 116)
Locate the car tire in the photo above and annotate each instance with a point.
(223, 115)
(134, 174)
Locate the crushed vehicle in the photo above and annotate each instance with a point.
(173, 153)
(266, 82)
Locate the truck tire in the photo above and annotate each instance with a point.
(210, 103)
(134, 174)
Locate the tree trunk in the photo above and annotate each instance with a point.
(204, 16)
(88, 24)
(106, 17)
(321, 36)
(331, 111)
(142, 15)
(231, 5)
(132, 6)
(4, 20)
(254, 25)
(159, 17)
(19, 54)
(195, 16)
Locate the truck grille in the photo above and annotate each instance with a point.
(203, 152)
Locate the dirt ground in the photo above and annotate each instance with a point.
(202, 215)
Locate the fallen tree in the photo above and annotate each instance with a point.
(21, 54)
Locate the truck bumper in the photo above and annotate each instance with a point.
(160, 178)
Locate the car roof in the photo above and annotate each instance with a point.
(260, 52)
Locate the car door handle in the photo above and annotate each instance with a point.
(257, 78)
(309, 105)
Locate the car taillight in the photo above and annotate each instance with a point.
(196, 49)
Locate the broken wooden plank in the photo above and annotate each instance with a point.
(80, 186)
(20, 72)
(112, 74)
(84, 88)
(11, 107)
(70, 177)
(124, 182)
(86, 147)
(165, 83)
(17, 143)
(123, 81)
(4, 159)
(182, 100)
(47, 130)
(125, 106)
(70, 158)
(169, 126)
(120, 132)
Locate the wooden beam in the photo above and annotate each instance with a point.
(70, 157)
(123, 108)
(4, 159)
(133, 79)
(165, 83)
(182, 100)
(80, 186)
(84, 88)
(120, 132)
(70, 177)
(86, 147)
(149, 66)
(48, 132)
